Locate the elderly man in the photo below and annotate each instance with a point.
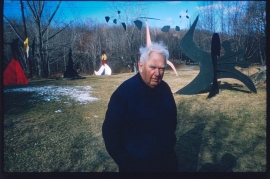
(140, 121)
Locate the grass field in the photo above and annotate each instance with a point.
(43, 134)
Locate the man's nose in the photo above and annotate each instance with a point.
(157, 71)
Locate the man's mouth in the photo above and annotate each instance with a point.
(155, 80)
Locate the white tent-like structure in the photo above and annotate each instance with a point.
(104, 70)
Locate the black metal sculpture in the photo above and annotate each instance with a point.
(226, 66)
(215, 53)
(138, 23)
(70, 71)
(212, 67)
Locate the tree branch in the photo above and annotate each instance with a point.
(40, 8)
(32, 10)
(57, 32)
(49, 21)
(14, 29)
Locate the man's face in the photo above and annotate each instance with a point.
(153, 70)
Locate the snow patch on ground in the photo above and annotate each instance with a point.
(80, 94)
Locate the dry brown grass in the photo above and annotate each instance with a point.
(233, 122)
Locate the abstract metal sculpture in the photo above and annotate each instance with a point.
(226, 66)
(70, 71)
(138, 23)
(215, 53)
(212, 67)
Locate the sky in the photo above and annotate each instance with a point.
(168, 12)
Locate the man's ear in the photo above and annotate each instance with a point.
(140, 65)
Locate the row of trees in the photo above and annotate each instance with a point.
(50, 39)
(243, 23)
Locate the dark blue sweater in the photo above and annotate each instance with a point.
(140, 122)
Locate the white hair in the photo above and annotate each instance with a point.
(154, 47)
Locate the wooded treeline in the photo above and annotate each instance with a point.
(50, 39)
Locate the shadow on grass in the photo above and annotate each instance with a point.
(227, 163)
(226, 86)
(233, 87)
(16, 102)
(188, 148)
(228, 142)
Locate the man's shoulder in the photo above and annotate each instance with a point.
(130, 83)
(124, 90)
(127, 86)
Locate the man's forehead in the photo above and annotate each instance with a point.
(157, 65)
(156, 61)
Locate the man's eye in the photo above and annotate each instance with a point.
(162, 69)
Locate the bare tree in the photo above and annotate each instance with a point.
(40, 15)
(37, 10)
(242, 23)
(255, 25)
(129, 12)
